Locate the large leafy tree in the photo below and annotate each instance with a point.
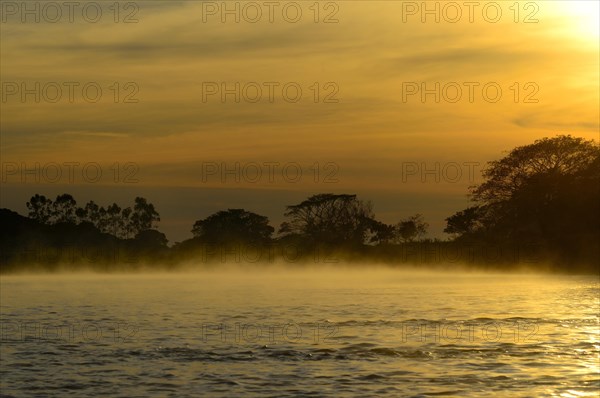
(548, 159)
(330, 219)
(464, 222)
(546, 192)
(234, 226)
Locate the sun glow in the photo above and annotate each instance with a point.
(584, 17)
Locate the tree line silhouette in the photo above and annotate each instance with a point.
(122, 223)
(540, 201)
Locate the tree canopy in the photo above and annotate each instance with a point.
(123, 223)
(545, 193)
(411, 228)
(233, 226)
(329, 219)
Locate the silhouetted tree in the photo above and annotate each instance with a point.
(144, 215)
(90, 213)
(381, 233)
(74, 236)
(546, 193)
(114, 220)
(122, 223)
(411, 228)
(64, 209)
(126, 223)
(329, 219)
(40, 209)
(548, 158)
(234, 225)
(463, 222)
(151, 238)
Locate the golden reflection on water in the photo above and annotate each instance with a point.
(366, 323)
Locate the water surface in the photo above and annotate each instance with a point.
(302, 333)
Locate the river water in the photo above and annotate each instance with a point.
(315, 333)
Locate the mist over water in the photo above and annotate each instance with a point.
(272, 331)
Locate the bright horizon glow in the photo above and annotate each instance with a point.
(583, 18)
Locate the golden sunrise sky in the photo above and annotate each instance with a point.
(370, 53)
